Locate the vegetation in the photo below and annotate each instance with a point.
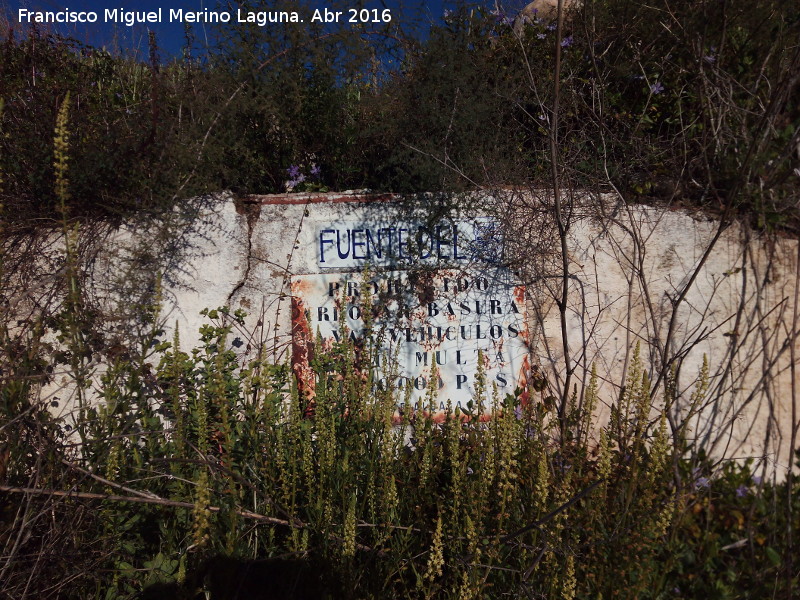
(192, 455)
(675, 100)
(201, 456)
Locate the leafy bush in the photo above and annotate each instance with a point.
(202, 456)
(675, 101)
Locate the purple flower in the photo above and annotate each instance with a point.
(315, 171)
(710, 59)
(518, 412)
(656, 88)
(756, 479)
(528, 19)
(701, 483)
(566, 42)
(541, 36)
(742, 491)
(297, 178)
(551, 27)
(499, 15)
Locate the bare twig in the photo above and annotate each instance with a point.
(247, 514)
(560, 221)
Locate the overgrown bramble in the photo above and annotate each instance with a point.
(485, 469)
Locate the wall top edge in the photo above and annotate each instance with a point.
(320, 198)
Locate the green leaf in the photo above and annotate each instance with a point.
(773, 556)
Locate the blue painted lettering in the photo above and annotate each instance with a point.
(339, 244)
(322, 241)
(372, 247)
(356, 233)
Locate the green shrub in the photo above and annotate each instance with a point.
(201, 456)
(668, 100)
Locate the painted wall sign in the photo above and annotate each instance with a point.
(348, 245)
(444, 301)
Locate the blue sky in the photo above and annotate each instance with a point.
(171, 35)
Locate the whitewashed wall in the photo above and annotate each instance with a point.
(627, 265)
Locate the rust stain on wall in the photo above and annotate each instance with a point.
(302, 350)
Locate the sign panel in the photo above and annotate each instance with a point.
(355, 245)
(438, 296)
